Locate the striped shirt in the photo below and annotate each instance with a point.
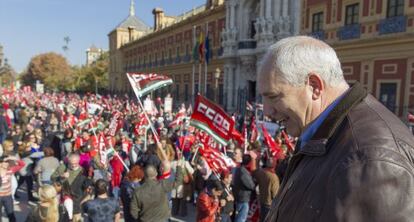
(5, 188)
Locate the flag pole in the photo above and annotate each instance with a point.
(205, 61)
(193, 77)
(115, 152)
(199, 77)
(143, 110)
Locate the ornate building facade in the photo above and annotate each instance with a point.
(167, 49)
(251, 27)
(239, 31)
(374, 40)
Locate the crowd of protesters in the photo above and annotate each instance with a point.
(51, 143)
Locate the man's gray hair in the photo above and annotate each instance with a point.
(74, 155)
(150, 172)
(295, 57)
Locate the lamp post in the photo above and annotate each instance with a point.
(217, 77)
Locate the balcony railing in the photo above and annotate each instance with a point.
(393, 25)
(349, 32)
(318, 34)
(247, 44)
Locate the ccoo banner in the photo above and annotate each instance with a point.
(212, 119)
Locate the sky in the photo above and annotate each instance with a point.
(31, 27)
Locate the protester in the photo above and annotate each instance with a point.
(73, 175)
(227, 198)
(47, 210)
(129, 184)
(4, 127)
(354, 158)
(46, 166)
(243, 187)
(103, 207)
(268, 184)
(8, 167)
(150, 200)
(180, 166)
(208, 202)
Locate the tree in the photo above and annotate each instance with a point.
(87, 78)
(7, 74)
(51, 69)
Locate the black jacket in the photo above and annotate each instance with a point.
(357, 167)
(4, 128)
(243, 185)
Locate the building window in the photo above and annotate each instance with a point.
(177, 91)
(196, 89)
(388, 95)
(186, 93)
(352, 14)
(317, 22)
(395, 8)
(178, 51)
(186, 50)
(210, 92)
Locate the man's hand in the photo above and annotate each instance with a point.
(222, 202)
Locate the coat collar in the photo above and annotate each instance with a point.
(318, 144)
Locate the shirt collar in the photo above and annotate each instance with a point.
(313, 127)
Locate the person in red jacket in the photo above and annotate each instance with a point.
(208, 202)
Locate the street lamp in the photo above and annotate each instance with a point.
(217, 77)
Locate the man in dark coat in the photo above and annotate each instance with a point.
(243, 187)
(354, 158)
(4, 128)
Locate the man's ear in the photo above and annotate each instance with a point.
(317, 85)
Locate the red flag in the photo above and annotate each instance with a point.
(113, 126)
(289, 143)
(141, 125)
(146, 83)
(255, 133)
(212, 119)
(274, 148)
(186, 142)
(178, 120)
(216, 160)
(237, 136)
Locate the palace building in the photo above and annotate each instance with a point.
(238, 32)
(167, 48)
(374, 40)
